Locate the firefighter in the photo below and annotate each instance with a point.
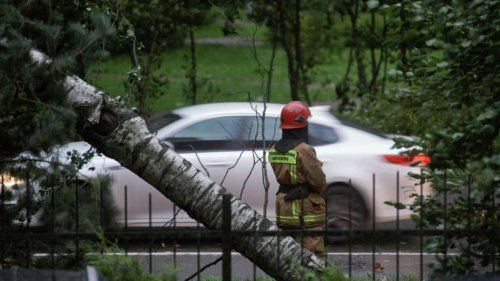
(299, 204)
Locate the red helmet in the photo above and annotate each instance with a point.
(294, 115)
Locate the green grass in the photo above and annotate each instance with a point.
(243, 26)
(244, 29)
(230, 69)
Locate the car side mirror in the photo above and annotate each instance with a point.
(168, 143)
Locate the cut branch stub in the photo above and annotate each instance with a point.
(107, 123)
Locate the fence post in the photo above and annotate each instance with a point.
(374, 238)
(150, 228)
(2, 219)
(77, 221)
(226, 237)
(28, 219)
(126, 219)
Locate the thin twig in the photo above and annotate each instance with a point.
(266, 75)
(199, 160)
(232, 167)
(203, 268)
(265, 179)
(169, 223)
(246, 180)
(237, 160)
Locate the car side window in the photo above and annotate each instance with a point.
(160, 120)
(318, 134)
(252, 131)
(223, 133)
(321, 134)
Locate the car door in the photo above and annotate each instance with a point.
(230, 151)
(215, 147)
(258, 137)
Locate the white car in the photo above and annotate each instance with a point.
(225, 141)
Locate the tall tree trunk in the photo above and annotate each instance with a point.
(402, 40)
(285, 42)
(356, 44)
(192, 71)
(301, 72)
(374, 69)
(119, 133)
(80, 65)
(377, 64)
(342, 88)
(144, 85)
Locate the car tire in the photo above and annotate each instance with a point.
(338, 214)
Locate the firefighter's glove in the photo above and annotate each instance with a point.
(299, 192)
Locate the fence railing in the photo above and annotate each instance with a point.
(23, 244)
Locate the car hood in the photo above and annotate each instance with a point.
(96, 165)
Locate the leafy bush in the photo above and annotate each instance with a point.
(447, 97)
(91, 211)
(125, 268)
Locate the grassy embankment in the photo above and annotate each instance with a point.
(231, 71)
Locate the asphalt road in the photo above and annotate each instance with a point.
(360, 261)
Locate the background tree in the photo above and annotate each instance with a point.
(459, 84)
(444, 92)
(195, 14)
(154, 34)
(149, 34)
(370, 39)
(296, 23)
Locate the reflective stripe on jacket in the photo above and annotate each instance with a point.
(295, 167)
(288, 158)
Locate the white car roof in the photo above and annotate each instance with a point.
(229, 108)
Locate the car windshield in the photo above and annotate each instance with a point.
(350, 123)
(160, 120)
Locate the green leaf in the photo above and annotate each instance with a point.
(465, 44)
(434, 42)
(495, 159)
(442, 64)
(443, 10)
(488, 115)
(372, 4)
(397, 205)
(489, 59)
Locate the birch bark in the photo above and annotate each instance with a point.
(119, 133)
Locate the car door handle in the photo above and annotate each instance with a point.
(219, 164)
(115, 168)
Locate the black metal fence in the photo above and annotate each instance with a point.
(22, 244)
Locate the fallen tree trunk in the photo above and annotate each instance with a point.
(119, 133)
